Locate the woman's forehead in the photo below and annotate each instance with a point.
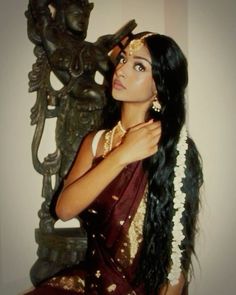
(141, 52)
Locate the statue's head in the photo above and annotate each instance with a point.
(76, 15)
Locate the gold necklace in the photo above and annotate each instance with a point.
(123, 131)
(109, 136)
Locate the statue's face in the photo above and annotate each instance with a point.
(77, 18)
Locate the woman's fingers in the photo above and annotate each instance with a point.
(148, 131)
(142, 140)
(152, 131)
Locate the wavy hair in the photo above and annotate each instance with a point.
(169, 71)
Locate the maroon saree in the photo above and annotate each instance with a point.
(114, 224)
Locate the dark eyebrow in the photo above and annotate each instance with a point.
(143, 58)
(136, 56)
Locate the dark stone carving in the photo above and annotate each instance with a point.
(59, 35)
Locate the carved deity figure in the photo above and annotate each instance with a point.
(61, 34)
(58, 28)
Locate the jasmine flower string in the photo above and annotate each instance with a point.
(179, 203)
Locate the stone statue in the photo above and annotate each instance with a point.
(58, 28)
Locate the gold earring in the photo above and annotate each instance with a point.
(156, 105)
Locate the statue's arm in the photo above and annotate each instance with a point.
(44, 24)
(108, 42)
(51, 38)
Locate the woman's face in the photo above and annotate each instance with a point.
(132, 80)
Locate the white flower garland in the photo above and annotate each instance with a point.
(179, 202)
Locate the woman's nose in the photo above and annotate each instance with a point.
(121, 70)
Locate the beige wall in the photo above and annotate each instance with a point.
(212, 105)
(206, 32)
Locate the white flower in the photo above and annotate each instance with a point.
(178, 202)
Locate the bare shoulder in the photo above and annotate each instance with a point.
(85, 150)
(100, 144)
(83, 161)
(87, 141)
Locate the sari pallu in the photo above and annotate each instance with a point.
(114, 223)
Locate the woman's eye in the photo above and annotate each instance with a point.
(121, 59)
(139, 67)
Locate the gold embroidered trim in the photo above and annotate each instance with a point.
(115, 198)
(98, 273)
(132, 239)
(111, 288)
(135, 232)
(92, 211)
(73, 283)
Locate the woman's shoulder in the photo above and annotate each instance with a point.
(93, 142)
(96, 142)
(87, 140)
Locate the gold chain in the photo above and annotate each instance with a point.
(109, 136)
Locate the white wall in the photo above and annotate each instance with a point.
(208, 39)
(212, 105)
(20, 185)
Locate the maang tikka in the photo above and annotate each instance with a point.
(136, 44)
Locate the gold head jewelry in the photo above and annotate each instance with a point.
(136, 44)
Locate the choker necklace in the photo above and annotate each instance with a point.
(109, 136)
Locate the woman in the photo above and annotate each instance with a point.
(136, 184)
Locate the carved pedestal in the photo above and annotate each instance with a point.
(56, 251)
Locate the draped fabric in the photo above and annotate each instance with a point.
(114, 224)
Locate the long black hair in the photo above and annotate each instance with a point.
(169, 70)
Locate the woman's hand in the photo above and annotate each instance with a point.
(139, 142)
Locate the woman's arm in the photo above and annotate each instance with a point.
(84, 184)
